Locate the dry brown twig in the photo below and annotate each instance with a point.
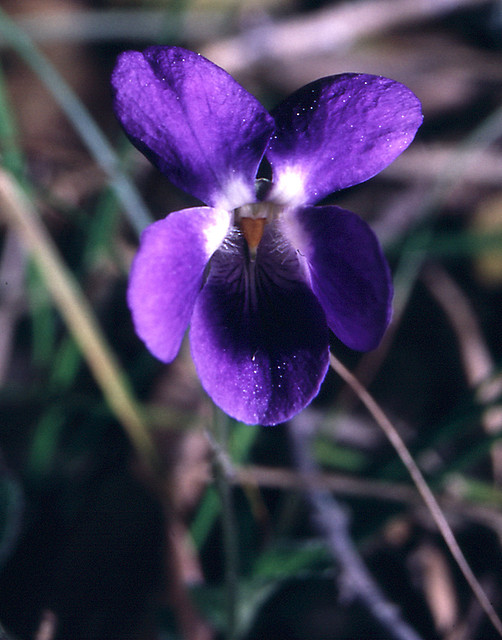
(454, 506)
(334, 28)
(423, 488)
(438, 586)
(332, 522)
(47, 627)
(425, 162)
(478, 364)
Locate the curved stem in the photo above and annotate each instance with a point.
(422, 486)
(332, 521)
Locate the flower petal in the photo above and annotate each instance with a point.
(259, 336)
(339, 131)
(348, 271)
(194, 121)
(167, 273)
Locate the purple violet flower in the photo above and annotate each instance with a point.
(260, 274)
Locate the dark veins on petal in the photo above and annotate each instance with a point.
(268, 327)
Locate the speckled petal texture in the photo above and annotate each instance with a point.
(339, 131)
(259, 315)
(167, 275)
(259, 337)
(348, 271)
(194, 121)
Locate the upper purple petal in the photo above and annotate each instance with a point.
(167, 273)
(339, 131)
(194, 121)
(258, 335)
(348, 272)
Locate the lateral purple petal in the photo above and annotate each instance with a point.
(339, 131)
(167, 274)
(258, 335)
(348, 271)
(204, 131)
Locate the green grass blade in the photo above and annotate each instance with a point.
(77, 314)
(91, 134)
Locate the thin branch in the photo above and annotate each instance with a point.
(332, 521)
(290, 479)
(473, 617)
(425, 162)
(477, 361)
(453, 504)
(48, 626)
(422, 486)
(334, 28)
(191, 624)
(478, 364)
(438, 586)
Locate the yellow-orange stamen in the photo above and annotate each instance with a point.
(252, 228)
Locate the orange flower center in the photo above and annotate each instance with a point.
(251, 220)
(252, 229)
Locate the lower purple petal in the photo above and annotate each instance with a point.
(167, 273)
(348, 271)
(258, 335)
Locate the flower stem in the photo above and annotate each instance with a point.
(229, 525)
(422, 487)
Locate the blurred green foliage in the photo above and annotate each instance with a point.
(63, 447)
